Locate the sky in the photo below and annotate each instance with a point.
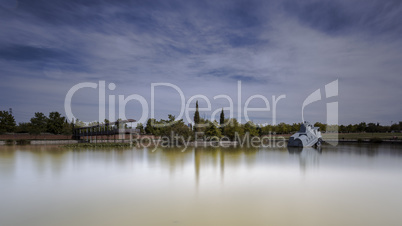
(210, 48)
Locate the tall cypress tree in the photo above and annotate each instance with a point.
(222, 119)
(196, 115)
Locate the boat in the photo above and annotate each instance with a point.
(308, 136)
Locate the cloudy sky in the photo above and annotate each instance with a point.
(273, 48)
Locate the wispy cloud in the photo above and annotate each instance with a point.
(204, 47)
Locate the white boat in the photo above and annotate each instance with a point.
(307, 136)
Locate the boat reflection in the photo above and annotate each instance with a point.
(308, 157)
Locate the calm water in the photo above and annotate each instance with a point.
(344, 185)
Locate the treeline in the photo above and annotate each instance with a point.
(370, 128)
(55, 123)
(230, 127)
(166, 128)
(362, 127)
(176, 130)
(210, 129)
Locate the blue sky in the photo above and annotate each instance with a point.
(203, 47)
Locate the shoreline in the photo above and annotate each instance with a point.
(191, 144)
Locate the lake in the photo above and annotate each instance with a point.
(351, 184)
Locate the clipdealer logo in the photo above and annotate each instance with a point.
(330, 90)
(185, 109)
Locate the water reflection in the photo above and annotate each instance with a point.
(54, 160)
(344, 185)
(7, 161)
(218, 158)
(309, 157)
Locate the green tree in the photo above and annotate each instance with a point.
(295, 127)
(212, 130)
(259, 130)
(55, 123)
(222, 118)
(171, 118)
(150, 126)
(140, 127)
(196, 117)
(79, 124)
(67, 128)
(222, 121)
(232, 128)
(395, 127)
(372, 127)
(196, 114)
(251, 128)
(174, 127)
(361, 127)
(267, 129)
(95, 123)
(342, 129)
(7, 122)
(23, 127)
(321, 125)
(38, 123)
